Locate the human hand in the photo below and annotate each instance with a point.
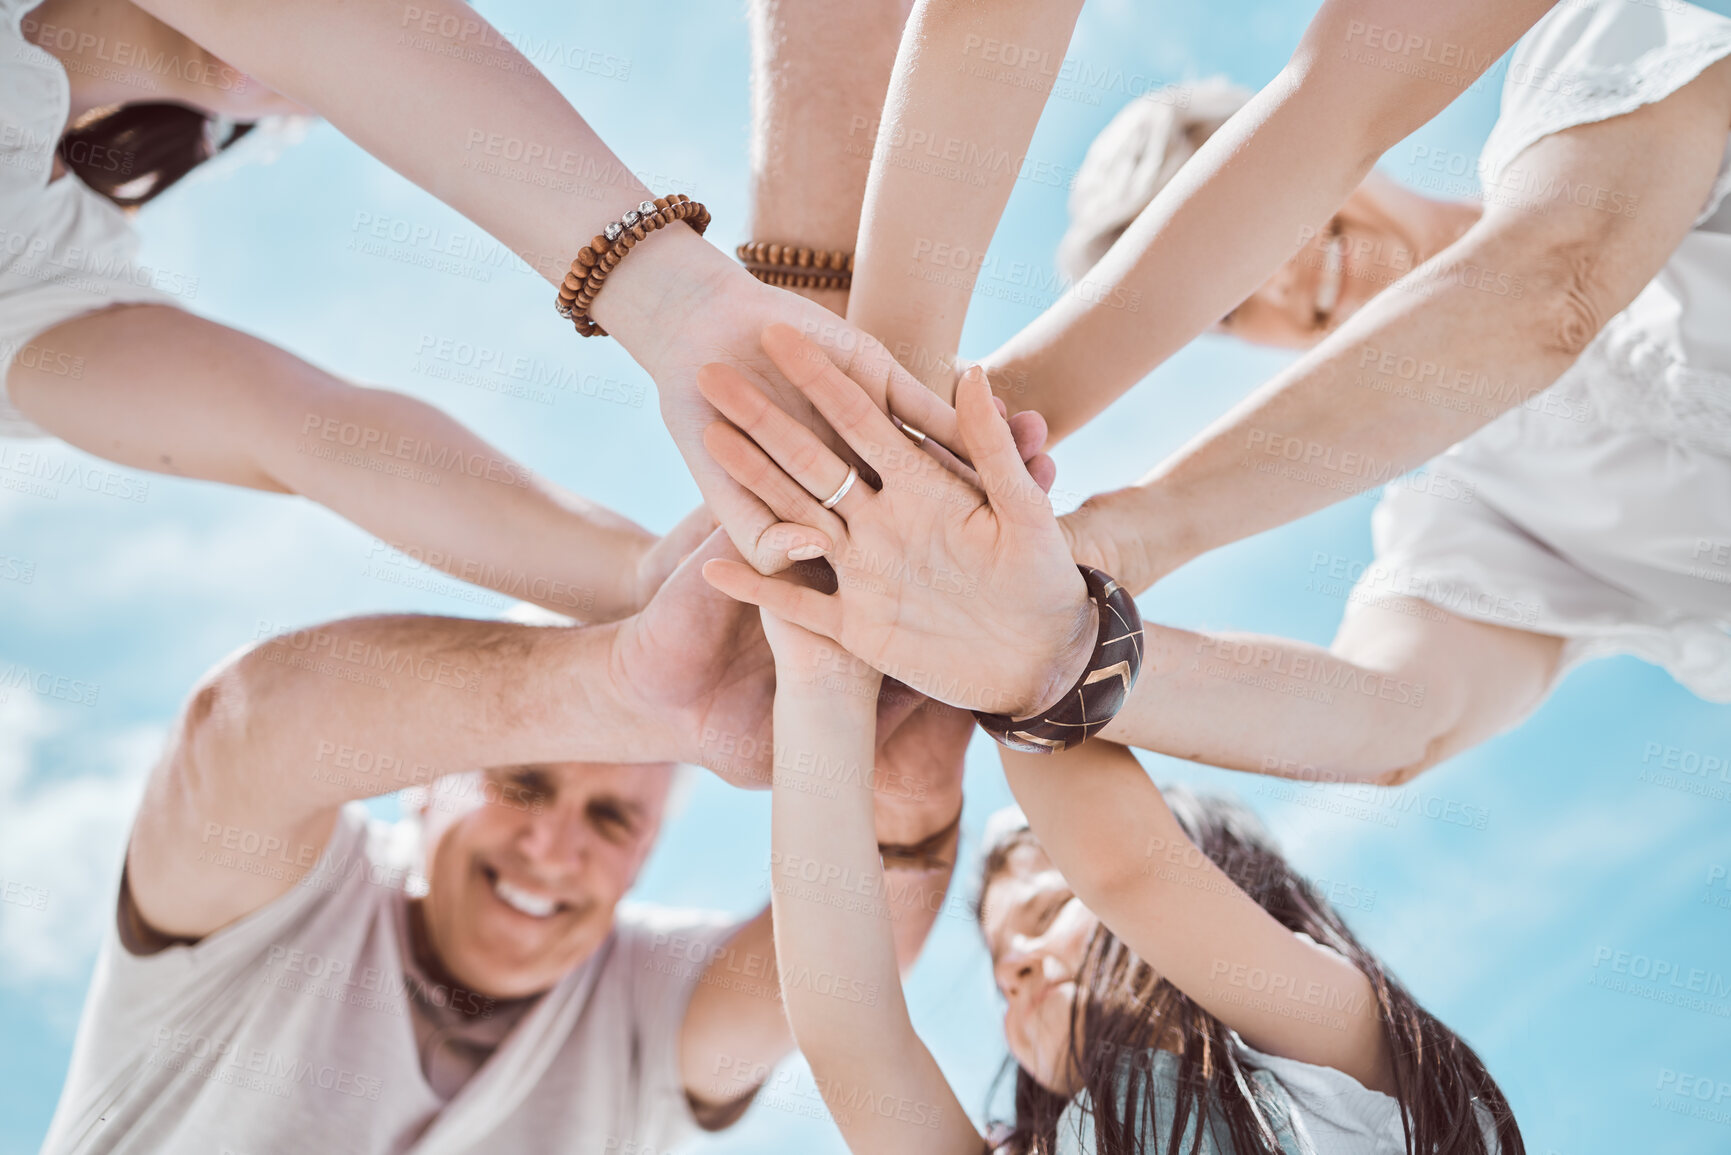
(918, 787)
(718, 315)
(939, 578)
(664, 555)
(695, 664)
(1103, 532)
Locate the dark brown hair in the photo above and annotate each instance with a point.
(1125, 1011)
(131, 153)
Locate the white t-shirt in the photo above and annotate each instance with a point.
(289, 1031)
(1600, 510)
(64, 250)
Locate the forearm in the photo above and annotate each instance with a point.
(833, 931)
(1117, 843)
(819, 72)
(430, 488)
(1358, 83)
(1447, 349)
(479, 128)
(839, 922)
(1277, 706)
(734, 1032)
(399, 700)
(927, 225)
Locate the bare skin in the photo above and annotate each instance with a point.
(1096, 812)
(577, 729)
(1421, 683)
(818, 76)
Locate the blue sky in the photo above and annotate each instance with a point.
(1512, 931)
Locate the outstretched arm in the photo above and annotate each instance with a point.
(949, 150)
(1405, 686)
(819, 69)
(275, 740)
(436, 93)
(736, 1030)
(1488, 324)
(1358, 83)
(163, 390)
(833, 935)
(1112, 836)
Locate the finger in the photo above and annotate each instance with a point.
(690, 531)
(808, 609)
(992, 447)
(1029, 428)
(1044, 471)
(812, 465)
(923, 409)
(847, 407)
(745, 518)
(892, 387)
(804, 524)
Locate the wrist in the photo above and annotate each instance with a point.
(817, 684)
(614, 702)
(1161, 532)
(1081, 630)
(1136, 535)
(661, 285)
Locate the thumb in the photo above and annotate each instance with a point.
(1013, 494)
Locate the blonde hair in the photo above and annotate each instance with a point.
(1134, 157)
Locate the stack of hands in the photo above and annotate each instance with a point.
(941, 568)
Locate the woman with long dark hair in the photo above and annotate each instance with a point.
(1172, 985)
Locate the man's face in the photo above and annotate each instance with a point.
(526, 863)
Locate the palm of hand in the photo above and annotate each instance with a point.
(935, 587)
(696, 661)
(961, 587)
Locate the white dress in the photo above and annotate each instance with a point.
(64, 250)
(1600, 511)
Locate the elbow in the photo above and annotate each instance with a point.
(213, 728)
(1411, 738)
(1574, 295)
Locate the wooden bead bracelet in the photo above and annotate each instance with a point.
(796, 267)
(601, 255)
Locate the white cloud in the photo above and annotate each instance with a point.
(62, 833)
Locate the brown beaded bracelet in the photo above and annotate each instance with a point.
(796, 267)
(1098, 694)
(601, 255)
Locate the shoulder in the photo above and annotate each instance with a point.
(1591, 60)
(671, 941)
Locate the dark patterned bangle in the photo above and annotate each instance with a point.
(1098, 695)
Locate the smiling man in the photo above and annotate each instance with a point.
(285, 974)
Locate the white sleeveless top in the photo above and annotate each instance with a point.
(64, 250)
(1599, 511)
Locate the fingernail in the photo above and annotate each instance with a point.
(804, 552)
